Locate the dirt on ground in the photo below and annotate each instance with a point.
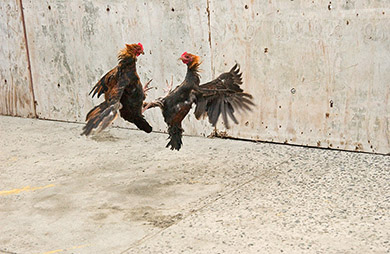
(122, 191)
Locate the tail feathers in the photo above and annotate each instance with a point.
(142, 124)
(100, 117)
(175, 134)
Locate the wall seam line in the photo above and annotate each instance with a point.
(215, 130)
(210, 44)
(28, 58)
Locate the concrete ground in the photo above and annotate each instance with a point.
(124, 192)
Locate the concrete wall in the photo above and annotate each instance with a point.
(16, 95)
(319, 71)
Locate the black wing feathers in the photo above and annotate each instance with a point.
(102, 85)
(222, 96)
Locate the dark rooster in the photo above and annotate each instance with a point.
(222, 96)
(122, 91)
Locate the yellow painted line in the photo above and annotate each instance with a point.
(79, 247)
(27, 188)
(53, 251)
(13, 159)
(72, 248)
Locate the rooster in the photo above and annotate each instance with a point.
(123, 91)
(221, 96)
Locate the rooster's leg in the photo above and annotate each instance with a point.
(146, 87)
(153, 104)
(169, 86)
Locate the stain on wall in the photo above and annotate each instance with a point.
(16, 95)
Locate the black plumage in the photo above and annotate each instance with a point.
(221, 96)
(122, 91)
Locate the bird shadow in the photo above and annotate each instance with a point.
(104, 136)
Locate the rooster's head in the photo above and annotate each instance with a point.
(132, 50)
(190, 60)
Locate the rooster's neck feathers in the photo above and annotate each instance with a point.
(193, 67)
(194, 64)
(128, 53)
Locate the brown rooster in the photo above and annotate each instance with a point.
(122, 91)
(222, 96)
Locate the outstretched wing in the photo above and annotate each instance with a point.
(104, 83)
(223, 96)
(106, 112)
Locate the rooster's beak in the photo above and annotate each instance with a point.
(143, 53)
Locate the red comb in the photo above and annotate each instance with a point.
(142, 47)
(185, 53)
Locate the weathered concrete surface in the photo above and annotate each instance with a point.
(319, 70)
(317, 202)
(75, 43)
(16, 95)
(123, 192)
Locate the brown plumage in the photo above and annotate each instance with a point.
(123, 91)
(222, 96)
